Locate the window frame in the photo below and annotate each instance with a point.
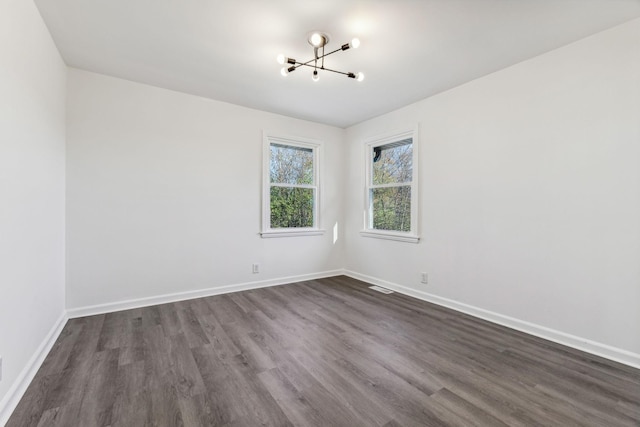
(316, 148)
(411, 236)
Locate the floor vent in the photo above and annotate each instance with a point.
(379, 289)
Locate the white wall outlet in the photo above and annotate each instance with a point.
(424, 278)
(255, 268)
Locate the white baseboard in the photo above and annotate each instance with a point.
(181, 296)
(583, 344)
(19, 386)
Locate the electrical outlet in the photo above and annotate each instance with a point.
(255, 268)
(424, 278)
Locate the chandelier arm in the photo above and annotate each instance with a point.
(317, 58)
(339, 72)
(297, 63)
(306, 63)
(300, 64)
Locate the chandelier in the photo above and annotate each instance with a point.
(318, 41)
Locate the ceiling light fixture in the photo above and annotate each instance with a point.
(318, 41)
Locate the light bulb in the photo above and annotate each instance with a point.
(281, 59)
(355, 43)
(359, 77)
(315, 39)
(284, 71)
(315, 76)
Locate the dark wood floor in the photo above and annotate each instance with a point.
(329, 352)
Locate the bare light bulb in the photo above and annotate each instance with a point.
(316, 39)
(355, 43)
(315, 76)
(284, 71)
(281, 59)
(359, 77)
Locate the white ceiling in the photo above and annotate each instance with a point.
(226, 49)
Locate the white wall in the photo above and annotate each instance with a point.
(530, 192)
(32, 162)
(163, 194)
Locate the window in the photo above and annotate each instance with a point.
(291, 190)
(391, 188)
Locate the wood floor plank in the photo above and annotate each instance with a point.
(196, 411)
(98, 395)
(218, 381)
(225, 309)
(318, 398)
(293, 402)
(256, 405)
(64, 416)
(132, 344)
(327, 352)
(362, 404)
(468, 413)
(186, 376)
(191, 327)
(132, 402)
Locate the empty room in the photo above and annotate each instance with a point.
(319, 213)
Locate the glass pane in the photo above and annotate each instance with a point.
(291, 207)
(391, 208)
(291, 165)
(393, 163)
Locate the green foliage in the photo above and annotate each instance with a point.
(291, 207)
(392, 208)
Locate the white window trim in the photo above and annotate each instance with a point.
(316, 146)
(412, 236)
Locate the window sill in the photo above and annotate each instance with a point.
(390, 235)
(292, 233)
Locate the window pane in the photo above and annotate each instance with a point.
(291, 165)
(393, 163)
(391, 208)
(291, 207)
